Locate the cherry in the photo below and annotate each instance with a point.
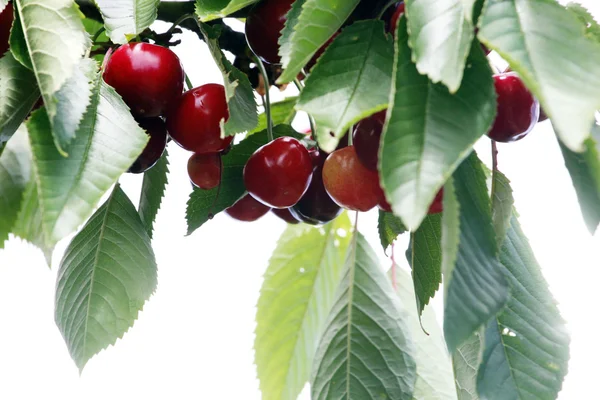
(264, 24)
(285, 215)
(518, 110)
(384, 205)
(156, 129)
(349, 183)
(247, 209)
(278, 173)
(366, 139)
(437, 206)
(316, 207)
(194, 121)
(147, 76)
(396, 17)
(6, 20)
(205, 170)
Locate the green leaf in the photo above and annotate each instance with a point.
(15, 172)
(127, 17)
(476, 288)
(527, 345)
(238, 90)
(389, 227)
(208, 10)
(18, 94)
(366, 351)
(282, 113)
(592, 26)
(153, 190)
(585, 174)
(440, 49)
(502, 205)
(291, 20)
(108, 141)
(429, 131)
(296, 296)
(425, 259)
(434, 368)
(465, 363)
(539, 38)
(317, 22)
(350, 82)
(204, 204)
(48, 37)
(105, 277)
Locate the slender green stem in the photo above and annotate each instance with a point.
(311, 120)
(97, 34)
(388, 5)
(350, 135)
(188, 83)
(178, 22)
(266, 98)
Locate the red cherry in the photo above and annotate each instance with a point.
(366, 139)
(437, 206)
(278, 173)
(205, 170)
(247, 209)
(147, 76)
(285, 215)
(156, 129)
(6, 20)
(194, 121)
(518, 110)
(349, 183)
(384, 205)
(396, 17)
(316, 207)
(264, 24)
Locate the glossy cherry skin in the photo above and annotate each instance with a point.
(247, 209)
(263, 28)
(194, 121)
(285, 215)
(349, 183)
(6, 20)
(279, 173)
(316, 207)
(147, 76)
(366, 139)
(437, 206)
(396, 17)
(518, 111)
(204, 170)
(157, 130)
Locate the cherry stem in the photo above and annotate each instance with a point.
(97, 34)
(311, 121)
(388, 5)
(266, 98)
(178, 22)
(350, 138)
(394, 283)
(494, 156)
(188, 82)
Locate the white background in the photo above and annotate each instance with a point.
(194, 338)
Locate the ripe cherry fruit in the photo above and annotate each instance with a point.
(156, 129)
(247, 209)
(316, 207)
(278, 173)
(286, 215)
(263, 28)
(349, 183)
(6, 20)
(194, 121)
(205, 170)
(518, 110)
(366, 139)
(147, 76)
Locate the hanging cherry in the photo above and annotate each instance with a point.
(286, 215)
(264, 24)
(247, 209)
(366, 139)
(204, 170)
(157, 130)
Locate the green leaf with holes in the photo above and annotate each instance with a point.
(389, 227)
(126, 18)
(107, 274)
(153, 190)
(295, 299)
(366, 351)
(539, 38)
(208, 10)
(592, 26)
(350, 82)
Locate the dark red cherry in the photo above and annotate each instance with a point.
(518, 110)
(316, 207)
(6, 20)
(278, 173)
(263, 28)
(384, 205)
(396, 17)
(157, 130)
(349, 183)
(247, 209)
(285, 215)
(366, 139)
(194, 121)
(147, 76)
(204, 170)
(437, 206)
